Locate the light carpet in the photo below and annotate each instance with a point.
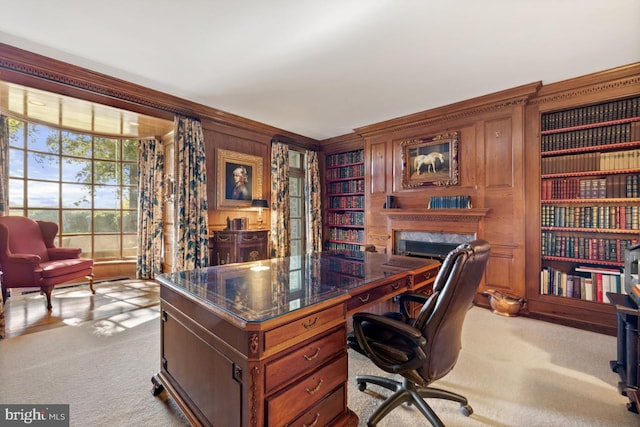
(514, 371)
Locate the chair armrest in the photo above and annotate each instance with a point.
(405, 298)
(412, 336)
(63, 253)
(23, 259)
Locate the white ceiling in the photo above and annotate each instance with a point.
(321, 68)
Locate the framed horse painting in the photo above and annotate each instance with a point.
(430, 161)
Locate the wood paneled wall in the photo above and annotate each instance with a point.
(491, 170)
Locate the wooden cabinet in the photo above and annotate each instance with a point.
(227, 247)
(589, 198)
(344, 213)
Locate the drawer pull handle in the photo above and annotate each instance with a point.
(310, 358)
(395, 286)
(315, 389)
(365, 298)
(315, 421)
(311, 324)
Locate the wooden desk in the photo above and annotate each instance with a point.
(264, 343)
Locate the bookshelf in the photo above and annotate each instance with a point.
(589, 198)
(344, 219)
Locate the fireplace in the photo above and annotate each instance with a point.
(427, 244)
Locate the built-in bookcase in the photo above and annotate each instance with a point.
(344, 213)
(590, 197)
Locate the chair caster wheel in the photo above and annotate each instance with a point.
(362, 386)
(157, 386)
(466, 410)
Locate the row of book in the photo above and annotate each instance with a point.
(346, 202)
(608, 161)
(601, 217)
(345, 234)
(344, 266)
(346, 218)
(352, 250)
(612, 186)
(609, 111)
(590, 137)
(588, 248)
(584, 282)
(450, 202)
(354, 171)
(347, 158)
(351, 186)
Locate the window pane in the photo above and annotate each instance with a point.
(295, 228)
(83, 242)
(106, 221)
(16, 133)
(76, 196)
(294, 159)
(43, 138)
(130, 221)
(129, 198)
(106, 148)
(107, 246)
(295, 280)
(76, 170)
(106, 173)
(43, 166)
(106, 197)
(76, 144)
(129, 245)
(43, 215)
(130, 150)
(76, 222)
(16, 193)
(16, 163)
(294, 207)
(43, 194)
(294, 187)
(129, 174)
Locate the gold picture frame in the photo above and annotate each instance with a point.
(430, 161)
(230, 193)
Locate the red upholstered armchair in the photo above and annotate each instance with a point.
(29, 258)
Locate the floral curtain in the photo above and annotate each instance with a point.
(313, 205)
(280, 245)
(150, 208)
(4, 166)
(192, 229)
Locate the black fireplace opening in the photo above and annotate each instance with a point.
(432, 250)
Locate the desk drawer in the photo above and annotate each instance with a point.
(379, 293)
(425, 277)
(302, 326)
(304, 359)
(325, 411)
(304, 394)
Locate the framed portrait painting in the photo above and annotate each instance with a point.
(430, 161)
(239, 179)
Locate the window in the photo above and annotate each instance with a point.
(84, 182)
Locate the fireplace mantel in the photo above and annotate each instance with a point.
(447, 215)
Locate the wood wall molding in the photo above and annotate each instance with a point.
(41, 72)
(597, 84)
(471, 108)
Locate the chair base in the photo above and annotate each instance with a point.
(410, 393)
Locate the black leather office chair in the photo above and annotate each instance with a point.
(426, 348)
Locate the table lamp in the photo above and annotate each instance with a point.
(260, 204)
